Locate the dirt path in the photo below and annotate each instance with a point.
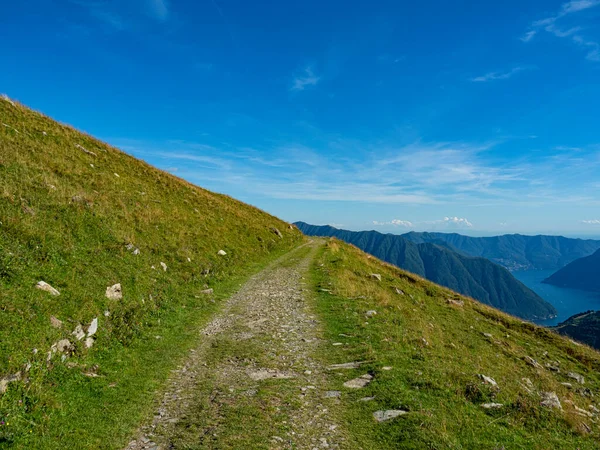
(252, 382)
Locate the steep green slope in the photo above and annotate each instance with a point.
(514, 251)
(475, 277)
(583, 274)
(584, 327)
(83, 216)
(459, 374)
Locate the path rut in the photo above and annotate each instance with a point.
(253, 381)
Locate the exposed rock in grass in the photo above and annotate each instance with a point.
(388, 414)
(207, 291)
(85, 150)
(488, 335)
(575, 376)
(454, 302)
(89, 342)
(553, 367)
(492, 405)
(221, 253)
(78, 332)
(532, 362)
(567, 385)
(376, 276)
(114, 292)
(359, 382)
(371, 313)
(333, 394)
(387, 368)
(399, 291)
(4, 382)
(62, 346)
(488, 380)
(42, 285)
(55, 322)
(93, 327)
(367, 399)
(163, 265)
(277, 232)
(136, 251)
(349, 365)
(550, 400)
(268, 374)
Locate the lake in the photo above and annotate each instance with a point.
(567, 302)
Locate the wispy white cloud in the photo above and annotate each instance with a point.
(491, 76)
(417, 174)
(459, 222)
(395, 223)
(305, 79)
(112, 14)
(591, 222)
(550, 25)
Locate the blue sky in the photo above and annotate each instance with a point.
(469, 116)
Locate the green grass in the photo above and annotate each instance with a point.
(66, 218)
(437, 381)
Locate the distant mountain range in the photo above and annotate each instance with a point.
(514, 251)
(584, 327)
(583, 273)
(473, 276)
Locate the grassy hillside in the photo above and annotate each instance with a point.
(83, 216)
(515, 251)
(428, 349)
(581, 274)
(476, 277)
(584, 327)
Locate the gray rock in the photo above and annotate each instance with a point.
(360, 382)
(221, 253)
(163, 265)
(85, 150)
(376, 276)
(550, 400)
(333, 394)
(207, 291)
(136, 251)
(367, 399)
(78, 332)
(89, 342)
(488, 335)
(454, 302)
(567, 385)
(277, 232)
(63, 346)
(114, 292)
(371, 313)
(4, 382)
(349, 365)
(93, 327)
(268, 374)
(42, 285)
(388, 414)
(488, 380)
(575, 376)
(55, 322)
(399, 291)
(532, 362)
(492, 405)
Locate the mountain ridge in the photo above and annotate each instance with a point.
(583, 274)
(515, 251)
(472, 276)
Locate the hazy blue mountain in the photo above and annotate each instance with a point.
(583, 273)
(514, 251)
(584, 327)
(472, 276)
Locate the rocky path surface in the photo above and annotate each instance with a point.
(253, 381)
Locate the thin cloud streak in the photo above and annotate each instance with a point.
(491, 76)
(549, 25)
(305, 79)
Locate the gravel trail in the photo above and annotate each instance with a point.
(253, 381)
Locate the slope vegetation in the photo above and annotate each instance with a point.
(514, 251)
(584, 327)
(82, 216)
(475, 277)
(583, 274)
(443, 371)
